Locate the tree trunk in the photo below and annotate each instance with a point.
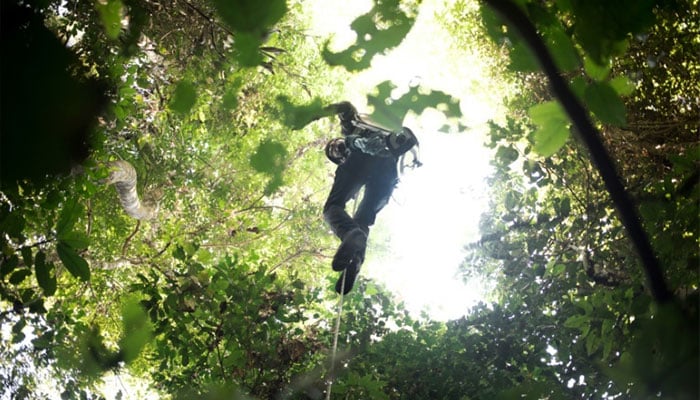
(123, 176)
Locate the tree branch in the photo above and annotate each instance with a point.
(591, 137)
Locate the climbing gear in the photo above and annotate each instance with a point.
(398, 143)
(331, 370)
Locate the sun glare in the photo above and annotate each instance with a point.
(417, 243)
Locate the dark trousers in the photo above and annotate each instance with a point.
(379, 177)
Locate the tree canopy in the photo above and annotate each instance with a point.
(162, 179)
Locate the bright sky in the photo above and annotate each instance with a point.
(416, 245)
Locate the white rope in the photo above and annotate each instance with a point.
(335, 339)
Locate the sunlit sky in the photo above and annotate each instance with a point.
(416, 246)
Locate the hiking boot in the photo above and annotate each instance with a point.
(350, 275)
(351, 250)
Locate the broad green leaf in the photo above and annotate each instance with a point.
(390, 112)
(8, 265)
(297, 117)
(564, 207)
(45, 275)
(75, 264)
(13, 225)
(69, 215)
(230, 100)
(137, 329)
(76, 240)
(576, 321)
(592, 343)
(506, 154)
(247, 49)
(562, 48)
(552, 127)
(179, 253)
(622, 85)
(371, 39)
(27, 256)
(594, 70)
(578, 85)
(251, 16)
(184, 97)
(19, 275)
(111, 16)
(604, 102)
(512, 199)
(522, 59)
(270, 158)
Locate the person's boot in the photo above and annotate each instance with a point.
(351, 251)
(350, 275)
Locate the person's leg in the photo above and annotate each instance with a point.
(378, 189)
(349, 178)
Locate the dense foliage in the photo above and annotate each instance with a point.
(226, 291)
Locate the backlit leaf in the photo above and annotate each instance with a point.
(604, 102)
(69, 215)
(19, 276)
(137, 329)
(552, 127)
(184, 97)
(73, 262)
(622, 85)
(111, 15)
(45, 275)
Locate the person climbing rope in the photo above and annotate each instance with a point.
(367, 156)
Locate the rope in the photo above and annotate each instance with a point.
(335, 339)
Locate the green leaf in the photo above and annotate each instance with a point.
(564, 208)
(251, 16)
(75, 264)
(230, 99)
(522, 59)
(592, 344)
(270, 158)
(371, 39)
(8, 265)
(137, 329)
(184, 97)
(69, 215)
(577, 321)
(562, 48)
(604, 102)
(594, 70)
(13, 225)
(247, 49)
(111, 16)
(45, 274)
(76, 240)
(553, 127)
(19, 276)
(622, 85)
(297, 117)
(506, 155)
(27, 256)
(179, 253)
(391, 112)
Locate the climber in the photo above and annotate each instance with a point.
(366, 156)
